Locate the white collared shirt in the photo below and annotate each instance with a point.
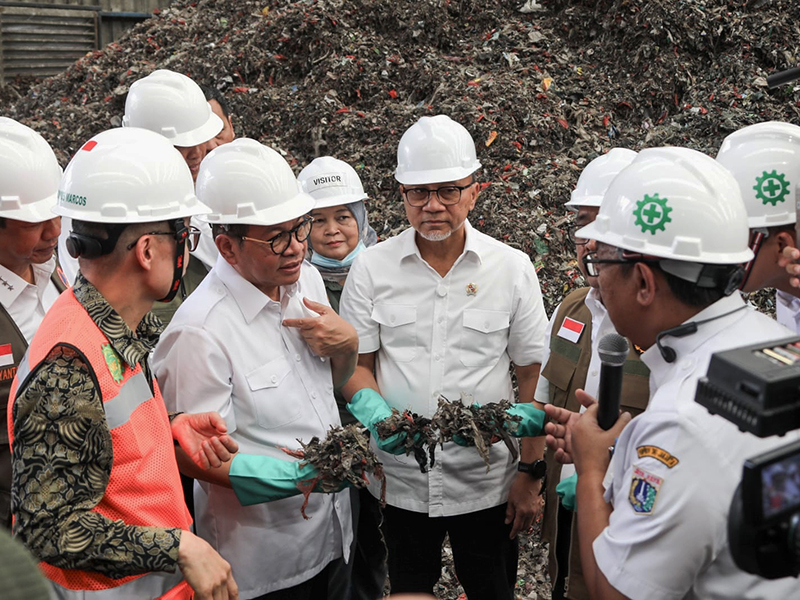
(446, 336)
(226, 350)
(601, 325)
(787, 310)
(26, 303)
(667, 536)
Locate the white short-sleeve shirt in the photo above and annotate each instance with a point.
(27, 303)
(674, 472)
(226, 350)
(787, 310)
(450, 336)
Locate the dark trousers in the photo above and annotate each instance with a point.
(562, 551)
(368, 553)
(332, 583)
(485, 558)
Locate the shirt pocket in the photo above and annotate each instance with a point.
(484, 336)
(398, 330)
(274, 406)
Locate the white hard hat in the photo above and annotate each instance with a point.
(29, 174)
(597, 176)
(174, 106)
(435, 150)
(331, 182)
(765, 160)
(674, 203)
(246, 182)
(127, 175)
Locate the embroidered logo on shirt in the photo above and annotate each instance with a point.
(660, 455)
(8, 374)
(644, 489)
(6, 355)
(571, 330)
(113, 363)
(472, 289)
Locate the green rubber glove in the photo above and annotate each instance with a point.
(256, 478)
(369, 407)
(566, 491)
(532, 421)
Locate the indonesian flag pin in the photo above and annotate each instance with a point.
(472, 289)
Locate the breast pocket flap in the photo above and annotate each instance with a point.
(394, 315)
(269, 375)
(486, 321)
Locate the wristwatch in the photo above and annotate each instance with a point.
(537, 470)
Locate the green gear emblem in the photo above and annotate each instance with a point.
(652, 213)
(771, 188)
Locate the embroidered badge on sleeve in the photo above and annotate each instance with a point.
(644, 489)
(659, 454)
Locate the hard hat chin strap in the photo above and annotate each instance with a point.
(181, 233)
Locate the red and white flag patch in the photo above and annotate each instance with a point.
(571, 330)
(6, 355)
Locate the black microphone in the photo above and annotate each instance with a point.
(613, 350)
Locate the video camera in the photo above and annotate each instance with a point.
(758, 389)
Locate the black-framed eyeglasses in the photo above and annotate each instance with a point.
(590, 261)
(447, 194)
(281, 242)
(578, 241)
(190, 233)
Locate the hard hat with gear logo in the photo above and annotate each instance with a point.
(247, 183)
(765, 160)
(172, 105)
(435, 150)
(679, 205)
(597, 176)
(331, 182)
(29, 174)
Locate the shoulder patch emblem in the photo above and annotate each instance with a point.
(644, 489)
(660, 455)
(113, 362)
(571, 330)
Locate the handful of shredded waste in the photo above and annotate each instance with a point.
(420, 437)
(476, 425)
(343, 456)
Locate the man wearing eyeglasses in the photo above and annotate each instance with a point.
(96, 494)
(654, 493)
(571, 362)
(259, 342)
(443, 310)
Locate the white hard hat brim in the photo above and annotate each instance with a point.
(298, 206)
(578, 201)
(201, 135)
(339, 200)
(434, 176)
(596, 231)
(35, 212)
(117, 213)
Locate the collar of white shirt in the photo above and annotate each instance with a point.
(12, 285)
(686, 346)
(471, 245)
(248, 297)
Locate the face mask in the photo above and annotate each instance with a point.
(331, 263)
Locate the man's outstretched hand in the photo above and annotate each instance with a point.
(204, 438)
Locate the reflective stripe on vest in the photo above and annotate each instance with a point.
(151, 585)
(144, 484)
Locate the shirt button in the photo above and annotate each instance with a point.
(440, 319)
(313, 394)
(686, 365)
(274, 379)
(437, 357)
(392, 319)
(594, 373)
(486, 325)
(441, 291)
(297, 357)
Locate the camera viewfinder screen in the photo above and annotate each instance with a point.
(780, 485)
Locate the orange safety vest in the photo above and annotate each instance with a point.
(144, 487)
